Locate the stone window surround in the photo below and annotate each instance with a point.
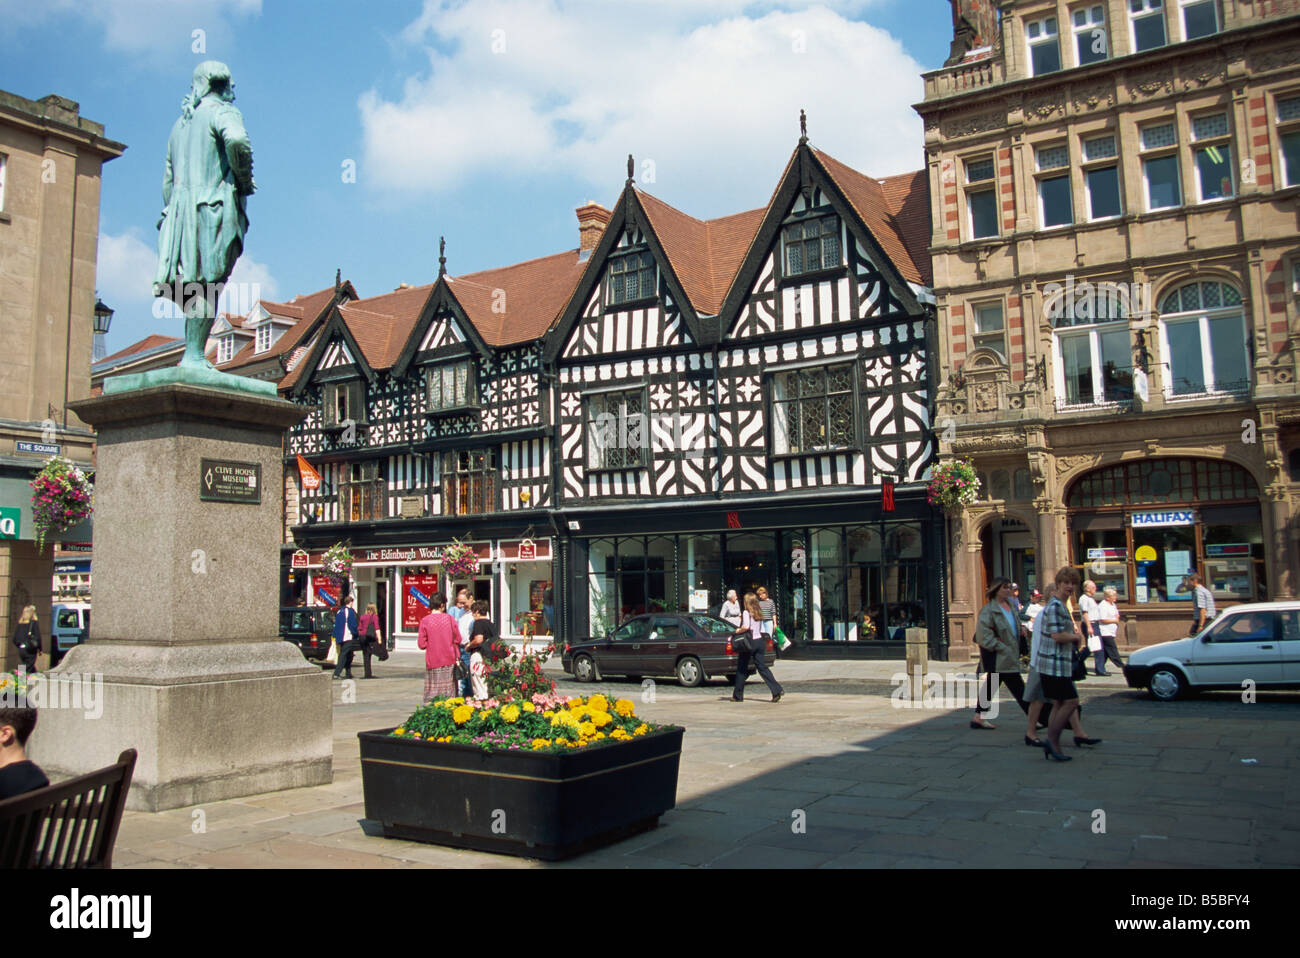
(977, 339)
(968, 188)
(1280, 127)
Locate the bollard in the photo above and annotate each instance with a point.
(918, 660)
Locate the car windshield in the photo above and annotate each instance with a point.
(712, 625)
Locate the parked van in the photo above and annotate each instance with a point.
(70, 626)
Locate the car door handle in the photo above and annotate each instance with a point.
(1265, 647)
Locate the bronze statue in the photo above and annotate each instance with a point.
(206, 182)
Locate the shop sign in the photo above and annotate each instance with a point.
(1228, 549)
(38, 448)
(1146, 554)
(418, 591)
(328, 593)
(411, 507)
(222, 480)
(527, 550)
(1176, 517)
(1110, 552)
(310, 477)
(300, 560)
(9, 522)
(76, 546)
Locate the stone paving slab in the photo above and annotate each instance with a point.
(878, 786)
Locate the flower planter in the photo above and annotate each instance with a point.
(530, 804)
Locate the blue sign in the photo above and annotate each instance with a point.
(423, 599)
(1175, 517)
(39, 448)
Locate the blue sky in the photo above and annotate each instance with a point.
(487, 121)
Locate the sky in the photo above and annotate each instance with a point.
(379, 127)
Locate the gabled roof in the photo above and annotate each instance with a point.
(895, 209)
(705, 254)
(306, 310)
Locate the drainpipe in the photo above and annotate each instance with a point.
(717, 432)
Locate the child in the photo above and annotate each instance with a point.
(17, 773)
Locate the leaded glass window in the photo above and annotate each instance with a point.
(450, 386)
(812, 245)
(813, 409)
(631, 278)
(617, 430)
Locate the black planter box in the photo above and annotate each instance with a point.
(531, 804)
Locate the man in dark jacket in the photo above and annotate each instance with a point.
(17, 773)
(345, 635)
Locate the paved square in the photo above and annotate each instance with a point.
(836, 776)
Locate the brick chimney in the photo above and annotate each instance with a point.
(974, 25)
(592, 220)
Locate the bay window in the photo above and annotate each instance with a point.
(469, 482)
(450, 386)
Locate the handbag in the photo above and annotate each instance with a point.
(781, 639)
(458, 671)
(1080, 665)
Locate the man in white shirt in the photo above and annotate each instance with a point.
(1088, 613)
(464, 624)
(1108, 624)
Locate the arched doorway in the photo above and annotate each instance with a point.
(1144, 526)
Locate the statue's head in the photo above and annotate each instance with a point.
(210, 76)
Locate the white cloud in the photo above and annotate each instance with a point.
(161, 28)
(710, 92)
(124, 280)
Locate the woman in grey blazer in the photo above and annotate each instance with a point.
(997, 632)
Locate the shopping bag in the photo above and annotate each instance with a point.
(332, 656)
(782, 641)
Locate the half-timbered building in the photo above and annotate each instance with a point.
(677, 408)
(429, 425)
(734, 395)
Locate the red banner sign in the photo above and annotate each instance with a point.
(300, 560)
(887, 494)
(310, 477)
(417, 594)
(327, 592)
(527, 549)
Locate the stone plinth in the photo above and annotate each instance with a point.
(184, 630)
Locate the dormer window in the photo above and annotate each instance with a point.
(450, 387)
(226, 348)
(812, 245)
(264, 338)
(344, 403)
(631, 278)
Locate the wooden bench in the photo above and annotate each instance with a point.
(69, 825)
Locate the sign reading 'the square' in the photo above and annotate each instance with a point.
(221, 480)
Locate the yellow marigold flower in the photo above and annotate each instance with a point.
(564, 718)
(548, 714)
(530, 707)
(510, 713)
(601, 719)
(598, 703)
(574, 702)
(624, 708)
(641, 729)
(599, 735)
(399, 731)
(586, 729)
(462, 714)
(415, 735)
(541, 742)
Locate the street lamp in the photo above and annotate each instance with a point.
(103, 319)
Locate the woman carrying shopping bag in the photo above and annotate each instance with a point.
(751, 644)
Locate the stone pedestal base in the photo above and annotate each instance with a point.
(211, 722)
(184, 662)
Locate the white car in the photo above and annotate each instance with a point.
(1257, 642)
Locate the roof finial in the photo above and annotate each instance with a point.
(803, 127)
(442, 256)
(338, 280)
(630, 167)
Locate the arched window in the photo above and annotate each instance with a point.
(1203, 330)
(1094, 354)
(1155, 481)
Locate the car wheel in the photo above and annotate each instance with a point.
(584, 669)
(689, 672)
(1167, 684)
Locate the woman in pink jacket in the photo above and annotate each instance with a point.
(441, 643)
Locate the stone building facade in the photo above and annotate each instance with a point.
(50, 163)
(1117, 272)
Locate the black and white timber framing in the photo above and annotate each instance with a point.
(705, 382)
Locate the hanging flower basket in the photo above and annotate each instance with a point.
(338, 562)
(953, 485)
(61, 497)
(459, 560)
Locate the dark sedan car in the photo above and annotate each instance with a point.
(692, 646)
(309, 628)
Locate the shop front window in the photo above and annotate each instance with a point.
(1102, 556)
(1234, 562)
(701, 558)
(531, 598)
(602, 588)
